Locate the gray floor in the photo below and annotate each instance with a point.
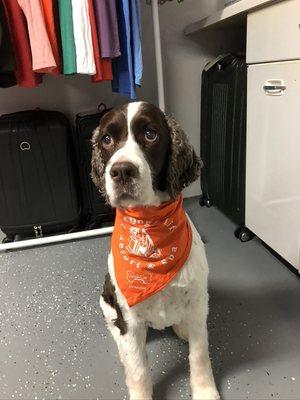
(53, 343)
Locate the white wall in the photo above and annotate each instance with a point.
(73, 94)
(184, 59)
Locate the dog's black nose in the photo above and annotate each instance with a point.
(123, 171)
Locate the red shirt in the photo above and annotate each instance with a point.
(48, 8)
(21, 47)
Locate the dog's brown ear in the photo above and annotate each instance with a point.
(183, 165)
(97, 163)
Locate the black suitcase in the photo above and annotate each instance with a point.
(95, 209)
(38, 182)
(223, 138)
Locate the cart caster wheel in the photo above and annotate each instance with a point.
(244, 234)
(8, 239)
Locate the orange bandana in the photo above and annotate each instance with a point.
(149, 246)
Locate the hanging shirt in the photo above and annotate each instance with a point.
(149, 245)
(103, 67)
(136, 41)
(42, 55)
(107, 26)
(85, 63)
(48, 8)
(67, 36)
(123, 81)
(20, 43)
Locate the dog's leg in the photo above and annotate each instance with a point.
(132, 351)
(202, 380)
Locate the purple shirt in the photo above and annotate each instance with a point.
(107, 27)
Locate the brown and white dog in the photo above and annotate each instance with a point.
(141, 157)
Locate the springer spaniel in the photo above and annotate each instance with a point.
(141, 162)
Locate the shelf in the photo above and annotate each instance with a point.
(233, 15)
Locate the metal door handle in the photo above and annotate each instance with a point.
(274, 87)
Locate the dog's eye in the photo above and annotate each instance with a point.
(150, 135)
(106, 139)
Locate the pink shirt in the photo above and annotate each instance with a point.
(42, 55)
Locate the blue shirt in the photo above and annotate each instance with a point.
(136, 41)
(128, 68)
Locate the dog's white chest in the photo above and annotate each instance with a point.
(165, 308)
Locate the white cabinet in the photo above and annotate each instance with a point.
(273, 33)
(273, 156)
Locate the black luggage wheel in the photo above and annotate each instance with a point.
(204, 201)
(244, 234)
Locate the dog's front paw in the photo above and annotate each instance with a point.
(140, 396)
(140, 393)
(207, 393)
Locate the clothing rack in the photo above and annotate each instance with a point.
(158, 56)
(107, 230)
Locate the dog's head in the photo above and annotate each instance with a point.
(139, 152)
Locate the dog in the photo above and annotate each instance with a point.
(141, 162)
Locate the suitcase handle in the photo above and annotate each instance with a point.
(225, 61)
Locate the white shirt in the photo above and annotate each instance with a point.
(83, 38)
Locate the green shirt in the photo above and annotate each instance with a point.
(67, 36)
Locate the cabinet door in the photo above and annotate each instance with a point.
(273, 156)
(273, 33)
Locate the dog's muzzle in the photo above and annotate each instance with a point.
(124, 176)
(123, 172)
